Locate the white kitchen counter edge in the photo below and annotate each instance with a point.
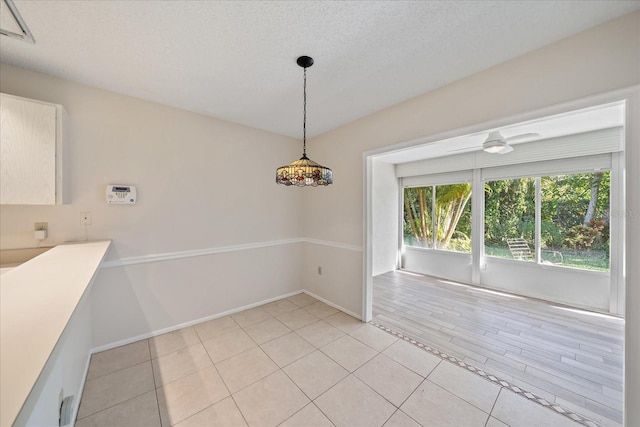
(37, 301)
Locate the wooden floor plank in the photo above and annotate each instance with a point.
(563, 354)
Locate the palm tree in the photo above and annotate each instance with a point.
(417, 215)
(450, 203)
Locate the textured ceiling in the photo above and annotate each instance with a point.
(235, 60)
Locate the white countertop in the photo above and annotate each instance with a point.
(37, 300)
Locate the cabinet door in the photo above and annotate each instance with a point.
(27, 152)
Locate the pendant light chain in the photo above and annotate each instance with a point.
(304, 120)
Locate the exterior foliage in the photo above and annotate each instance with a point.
(574, 217)
(509, 211)
(451, 213)
(585, 235)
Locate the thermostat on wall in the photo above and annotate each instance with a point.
(121, 194)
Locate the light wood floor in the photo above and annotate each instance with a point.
(567, 356)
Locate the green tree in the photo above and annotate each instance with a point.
(596, 182)
(451, 201)
(452, 216)
(509, 211)
(575, 210)
(417, 205)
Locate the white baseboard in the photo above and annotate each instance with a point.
(187, 324)
(334, 305)
(211, 317)
(78, 397)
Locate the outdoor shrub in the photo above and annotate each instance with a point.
(583, 236)
(552, 236)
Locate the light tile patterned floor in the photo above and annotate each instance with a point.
(568, 358)
(294, 362)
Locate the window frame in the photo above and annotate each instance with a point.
(537, 251)
(478, 176)
(434, 181)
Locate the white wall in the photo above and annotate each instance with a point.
(131, 301)
(448, 265)
(340, 265)
(632, 302)
(202, 184)
(574, 287)
(385, 217)
(602, 59)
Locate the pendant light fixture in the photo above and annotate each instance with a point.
(304, 172)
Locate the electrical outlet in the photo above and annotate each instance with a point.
(39, 226)
(85, 218)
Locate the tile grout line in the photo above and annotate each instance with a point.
(280, 369)
(492, 408)
(502, 383)
(114, 405)
(218, 373)
(155, 392)
(118, 370)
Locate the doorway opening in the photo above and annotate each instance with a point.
(458, 240)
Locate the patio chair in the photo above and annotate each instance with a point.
(520, 250)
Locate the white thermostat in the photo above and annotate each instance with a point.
(121, 194)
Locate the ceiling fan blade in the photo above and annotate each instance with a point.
(506, 149)
(466, 149)
(522, 136)
(496, 136)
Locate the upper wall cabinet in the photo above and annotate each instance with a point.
(31, 152)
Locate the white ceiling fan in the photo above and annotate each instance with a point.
(498, 144)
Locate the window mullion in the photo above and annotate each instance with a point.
(477, 226)
(434, 225)
(538, 222)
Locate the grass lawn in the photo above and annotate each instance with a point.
(588, 260)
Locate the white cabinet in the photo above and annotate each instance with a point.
(31, 152)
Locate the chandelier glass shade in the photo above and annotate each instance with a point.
(304, 172)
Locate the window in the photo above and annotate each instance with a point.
(573, 216)
(575, 220)
(438, 216)
(418, 228)
(509, 213)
